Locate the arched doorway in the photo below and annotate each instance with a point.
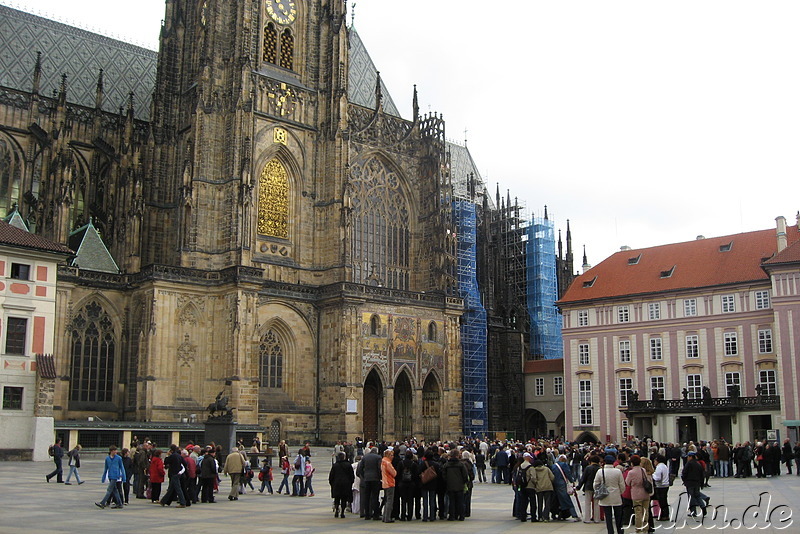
(275, 431)
(402, 407)
(373, 407)
(561, 429)
(587, 437)
(535, 424)
(431, 409)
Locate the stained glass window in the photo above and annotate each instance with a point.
(273, 201)
(381, 235)
(93, 355)
(271, 355)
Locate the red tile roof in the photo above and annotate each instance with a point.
(16, 237)
(699, 263)
(555, 365)
(790, 254)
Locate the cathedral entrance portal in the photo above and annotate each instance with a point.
(402, 407)
(431, 409)
(373, 407)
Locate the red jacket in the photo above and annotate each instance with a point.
(157, 470)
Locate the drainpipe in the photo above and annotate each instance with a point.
(316, 387)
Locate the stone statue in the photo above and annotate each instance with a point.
(220, 405)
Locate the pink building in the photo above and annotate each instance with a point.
(686, 341)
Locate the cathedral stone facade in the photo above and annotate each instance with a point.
(282, 235)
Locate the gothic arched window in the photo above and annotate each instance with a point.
(381, 235)
(270, 353)
(375, 326)
(93, 352)
(273, 201)
(270, 43)
(287, 49)
(431, 331)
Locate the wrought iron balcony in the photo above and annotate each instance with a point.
(708, 404)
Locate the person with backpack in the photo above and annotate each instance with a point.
(74, 464)
(265, 476)
(57, 452)
(526, 489)
(408, 480)
(298, 480)
(286, 470)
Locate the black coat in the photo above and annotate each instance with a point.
(341, 479)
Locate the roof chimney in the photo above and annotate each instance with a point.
(624, 247)
(700, 237)
(781, 221)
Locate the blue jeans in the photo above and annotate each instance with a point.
(429, 504)
(284, 482)
(73, 469)
(112, 491)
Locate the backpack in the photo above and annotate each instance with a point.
(521, 479)
(51, 450)
(406, 475)
(298, 463)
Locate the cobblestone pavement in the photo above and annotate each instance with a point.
(29, 504)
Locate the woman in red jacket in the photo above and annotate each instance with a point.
(156, 475)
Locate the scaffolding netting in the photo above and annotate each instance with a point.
(473, 323)
(542, 289)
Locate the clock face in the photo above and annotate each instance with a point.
(282, 11)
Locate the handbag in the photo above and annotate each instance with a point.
(601, 491)
(646, 484)
(570, 487)
(428, 475)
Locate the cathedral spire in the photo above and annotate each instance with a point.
(415, 103)
(98, 99)
(560, 246)
(62, 92)
(569, 240)
(497, 195)
(378, 92)
(545, 215)
(37, 73)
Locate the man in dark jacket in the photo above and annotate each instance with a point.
(175, 468)
(693, 477)
(208, 475)
(369, 470)
(501, 462)
(456, 477)
(58, 454)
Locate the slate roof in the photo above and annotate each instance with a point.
(692, 264)
(16, 237)
(363, 77)
(78, 53)
(91, 253)
(461, 167)
(46, 365)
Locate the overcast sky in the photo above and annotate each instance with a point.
(644, 123)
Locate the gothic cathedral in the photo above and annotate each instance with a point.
(273, 229)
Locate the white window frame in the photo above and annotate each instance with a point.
(765, 341)
(689, 307)
(624, 350)
(657, 384)
(558, 385)
(623, 314)
(539, 387)
(583, 317)
(728, 303)
(768, 379)
(625, 386)
(694, 385)
(762, 300)
(626, 430)
(733, 378)
(584, 354)
(585, 402)
(730, 341)
(656, 349)
(654, 311)
(692, 346)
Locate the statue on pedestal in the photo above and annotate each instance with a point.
(220, 405)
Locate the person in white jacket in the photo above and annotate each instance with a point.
(611, 503)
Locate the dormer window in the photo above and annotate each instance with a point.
(726, 247)
(668, 272)
(634, 260)
(590, 283)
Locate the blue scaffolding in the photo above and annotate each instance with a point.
(542, 289)
(473, 323)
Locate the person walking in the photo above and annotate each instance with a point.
(113, 472)
(74, 464)
(265, 475)
(57, 452)
(388, 473)
(693, 476)
(175, 469)
(310, 470)
(341, 480)
(285, 471)
(590, 504)
(611, 504)
(234, 467)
